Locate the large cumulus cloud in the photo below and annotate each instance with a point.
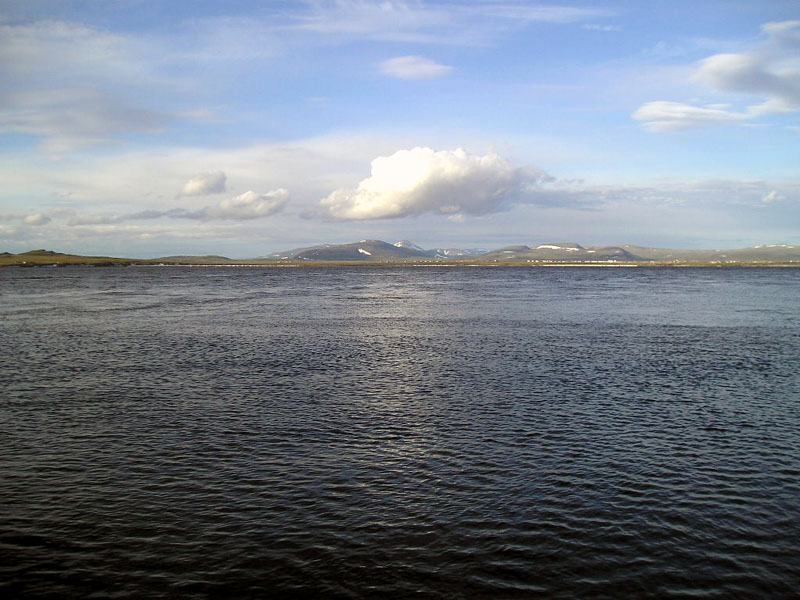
(422, 180)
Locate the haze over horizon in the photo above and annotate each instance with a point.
(144, 129)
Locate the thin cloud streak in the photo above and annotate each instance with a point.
(478, 23)
(413, 67)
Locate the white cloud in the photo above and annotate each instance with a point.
(676, 116)
(421, 180)
(413, 67)
(754, 74)
(780, 27)
(771, 71)
(37, 220)
(250, 205)
(205, 183)
(773, 196)
(124, 181)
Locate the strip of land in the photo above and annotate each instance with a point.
(684, 258)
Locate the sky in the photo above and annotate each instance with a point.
(146, 128)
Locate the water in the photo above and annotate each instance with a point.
(395, 433)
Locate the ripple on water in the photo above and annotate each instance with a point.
(440, 433)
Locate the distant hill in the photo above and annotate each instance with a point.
(363, 251)
(38, 258)
(561, 252)
(42, 258)
(290, 254)
(771, 253)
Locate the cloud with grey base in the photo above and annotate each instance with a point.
(250, 205)
(245, 207)
(771, 71)
(423, 180)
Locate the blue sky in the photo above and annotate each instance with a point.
(147, 128)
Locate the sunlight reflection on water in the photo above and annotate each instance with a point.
(440, 432)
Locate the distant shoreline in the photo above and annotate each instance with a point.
(116, 263)
(50, 259)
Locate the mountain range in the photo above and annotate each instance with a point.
(562, 252)
(405, 252)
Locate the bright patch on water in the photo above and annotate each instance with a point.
(372, 432)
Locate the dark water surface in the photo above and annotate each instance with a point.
(421, 432)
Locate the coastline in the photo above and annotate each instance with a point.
(123, 262)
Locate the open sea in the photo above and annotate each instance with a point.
(369, 432)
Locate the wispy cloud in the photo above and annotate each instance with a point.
(77, 87)
(76, 118)
(433, 23)
(538, 13)
(676, 116)
(598, 27)
(65, 51)
(414, 67)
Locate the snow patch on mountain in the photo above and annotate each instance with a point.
(553, 247)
